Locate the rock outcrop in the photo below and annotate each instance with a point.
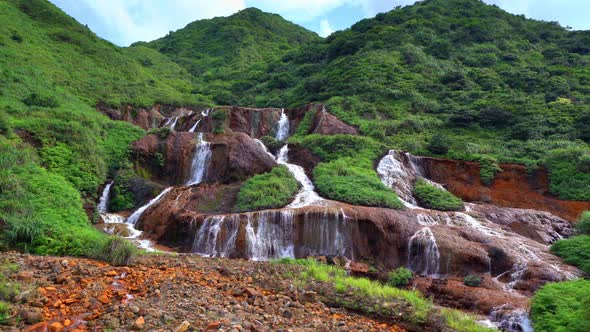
(146, 118)
(512, 187)
(325, 123)
(234, 157)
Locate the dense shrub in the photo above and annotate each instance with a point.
(399, 277)
(439, 144)
(272, 143)
(332, 147)
(432, 197)
(5, 127)
(122, 197)
(568, 181)
(472, 280)
(353, 182)
(36, 99)
(274, 189)
(488, 168)
(583, 225)
(562, 307)
(115, 250)
(574, 251)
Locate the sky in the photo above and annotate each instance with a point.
(126, 21)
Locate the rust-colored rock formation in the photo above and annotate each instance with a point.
(146, 118)
(234, 157)
(325, 123)
(513, 187)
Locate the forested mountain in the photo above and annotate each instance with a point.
(380, 145)
(457, 78)
(228, 55)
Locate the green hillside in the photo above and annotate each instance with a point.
(455, 78)
(56, 148)
(228, 55)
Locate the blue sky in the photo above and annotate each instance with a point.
(126, 21)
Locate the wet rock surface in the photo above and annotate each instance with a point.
(173, 293)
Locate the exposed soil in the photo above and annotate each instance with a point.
(169, 293)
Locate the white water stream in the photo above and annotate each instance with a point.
(200, 161)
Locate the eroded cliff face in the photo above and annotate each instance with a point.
(146, 118)
(234, 157)
(513, 187)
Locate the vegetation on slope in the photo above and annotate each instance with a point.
(576, 250)
(562, 307)
(230, 55)
(435, 198)
(375, 298)
(488, 82)
(56, 148)
(271, 190)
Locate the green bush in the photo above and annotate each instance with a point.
(399, 277)
(348, 180)
(4, 311)
(562, 307)
(272, 143)
(566, 180)
(271, 190)
(574, 251)
(36, 99)
(583, 224)
(5, 127)
(435, 198)
(116, 250)
(439, 144)
(219, 117)
(488, 168)
(122, 198)
(472, 281)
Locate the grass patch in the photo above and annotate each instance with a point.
(569, 173)
(574, 251)
(583, 224)
(116, 250)
(4, 312)
(348, 180)
(375, 298)
(274, 189)
(399, 277)
(432, 197)
(562, 307)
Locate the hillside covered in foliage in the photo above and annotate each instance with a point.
(455, 78)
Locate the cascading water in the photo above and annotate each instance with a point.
(398, 170)
(307, 195)
(139, 212)
(200, 161)
(510, 319)
(204, 114)
(108, 218)
(423, 253)
(173, 126)
(283, 127)
(326, 232)
(216, 236)
(268, 239)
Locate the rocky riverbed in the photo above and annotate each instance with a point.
(168, 293)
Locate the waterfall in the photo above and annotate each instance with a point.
(423, 253)
(104, 198)
(193, 128)
(216, 236)
(268, 239)
(307, 195)
(326, 233)
(398, 171)
(200, 161)
(204, 114)
(509, 319)
(283, 127)
(108, 218)
(173, 126)
(139, 212)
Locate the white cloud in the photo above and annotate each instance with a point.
(127, 21)
(325, 28)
